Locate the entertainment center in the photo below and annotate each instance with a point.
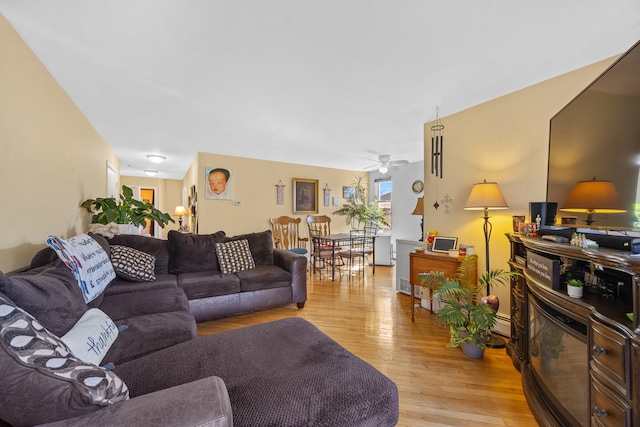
(579, 358)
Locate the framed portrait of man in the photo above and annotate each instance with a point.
(305, 196)
(219, 183)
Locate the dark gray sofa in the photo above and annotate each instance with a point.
(190, 262)
(284, 373)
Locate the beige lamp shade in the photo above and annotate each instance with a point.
(179, 211)
(594, 195)
(486, 195)
(419, 209)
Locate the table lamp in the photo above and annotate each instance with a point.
(179, 212)
(592, 196)
(419, 210)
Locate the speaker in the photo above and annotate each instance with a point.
(546, 211)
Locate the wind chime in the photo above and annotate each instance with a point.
(437, 145)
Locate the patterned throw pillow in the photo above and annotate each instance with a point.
(42, 381)
(132, 264)
(234, 256)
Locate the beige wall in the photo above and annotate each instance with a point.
(504, 140)
(254, 187)
(51, 158)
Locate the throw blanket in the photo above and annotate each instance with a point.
(88, 261)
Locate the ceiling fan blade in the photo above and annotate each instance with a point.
(399, 162)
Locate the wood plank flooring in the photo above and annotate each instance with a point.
(438, 386)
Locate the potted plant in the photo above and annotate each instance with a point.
(359, 211)
(124, 210)
(574, 288)
(470, 322)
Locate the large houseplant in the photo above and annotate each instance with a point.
(469, 320)
(358, 211)
(124, 210)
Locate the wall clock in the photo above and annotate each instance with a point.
(417, 186)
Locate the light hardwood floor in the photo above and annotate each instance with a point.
(438, 386)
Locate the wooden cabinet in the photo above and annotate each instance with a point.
(610, 344)
(433, 261)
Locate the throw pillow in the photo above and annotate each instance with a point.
(92, 336)
(132, 264)
(41, 381)
(234, 256)
(88, 262)
(193, 253)
(261, 245)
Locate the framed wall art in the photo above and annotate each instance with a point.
(348, 192)
(305, 196)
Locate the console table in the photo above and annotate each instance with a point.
(432, 261)
(579, 357)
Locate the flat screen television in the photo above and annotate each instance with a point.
(598, 135)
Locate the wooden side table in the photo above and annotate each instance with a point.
(433, 261)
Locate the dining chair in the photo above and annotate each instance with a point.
(286, 234)
(356, 251)
(321, 256)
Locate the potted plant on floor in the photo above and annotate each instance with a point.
(470, 322)
(125, 210)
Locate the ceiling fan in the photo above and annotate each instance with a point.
(385, 163)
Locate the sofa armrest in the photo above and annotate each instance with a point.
(296, 265)
(203, 402)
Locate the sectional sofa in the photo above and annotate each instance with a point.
(155, 371)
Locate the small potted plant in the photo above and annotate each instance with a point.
(470, 321)
(124, 211)
(574, 288)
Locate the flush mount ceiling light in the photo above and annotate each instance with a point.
(151, 173)
(155, 158)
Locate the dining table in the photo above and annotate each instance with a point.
(336, 241)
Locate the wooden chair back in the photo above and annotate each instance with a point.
(286, 234)
(319, 225)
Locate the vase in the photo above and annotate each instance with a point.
(470, 348)
(575, 291)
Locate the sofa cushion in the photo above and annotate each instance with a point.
(122, 306)
(121, 286)
(50, 293)
(87, 260)
(157, 247)
(190, 253)
(264, 277)
(132, 264)
(41, 380)
(91, 337)
(152, 332)
(261, 245)
(234, 256)
(208, 284)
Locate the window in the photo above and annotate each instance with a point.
(384, 191)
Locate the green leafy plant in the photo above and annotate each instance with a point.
(574, 282)
(124, 210)
(357, 209)
(468, 320)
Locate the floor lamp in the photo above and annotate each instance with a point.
(487, 196)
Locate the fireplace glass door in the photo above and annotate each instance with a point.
(558, 359)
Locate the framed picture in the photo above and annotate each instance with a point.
(444, 244)
(305, 196)
(219, 183)
(348, 192)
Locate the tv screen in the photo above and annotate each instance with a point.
(598, 135)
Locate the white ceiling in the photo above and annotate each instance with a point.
(330, 83)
